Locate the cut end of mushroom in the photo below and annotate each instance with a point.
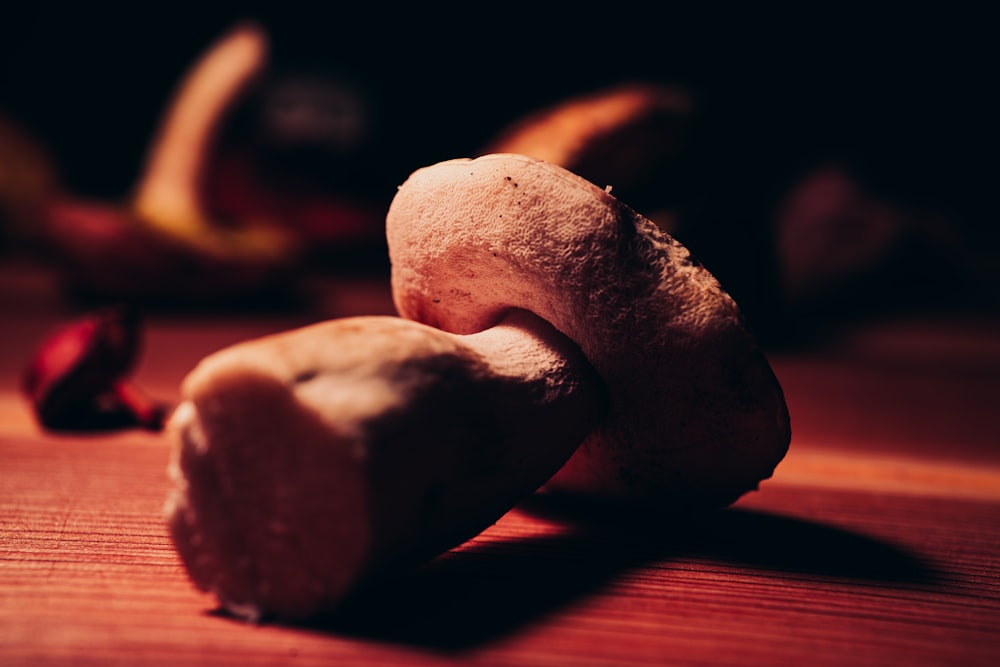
(308, 463)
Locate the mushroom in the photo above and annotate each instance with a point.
(309, 462)
(696, 416)
(78, 377)
(550, 336)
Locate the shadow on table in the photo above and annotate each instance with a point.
(472, 596)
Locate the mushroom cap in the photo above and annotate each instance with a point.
(696, 416)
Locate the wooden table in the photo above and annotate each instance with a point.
(877, 542)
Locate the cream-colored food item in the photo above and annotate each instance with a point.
(308, 462)
(542, 313)
(696, 416)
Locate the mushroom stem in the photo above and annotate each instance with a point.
(307, 462)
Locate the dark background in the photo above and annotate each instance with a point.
(903, 97)
(901, 93)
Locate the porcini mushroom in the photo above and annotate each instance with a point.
(696, 415)
(309, 462)
(542, 314)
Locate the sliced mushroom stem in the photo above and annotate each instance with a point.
(308, 462)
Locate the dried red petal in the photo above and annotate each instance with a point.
(75, 381)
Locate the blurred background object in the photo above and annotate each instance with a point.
(28, 180)
(831, 164)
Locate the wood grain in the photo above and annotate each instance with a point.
(877, 542)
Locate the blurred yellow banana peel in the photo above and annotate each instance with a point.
(168, 196)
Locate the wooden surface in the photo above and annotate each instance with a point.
(877, 542)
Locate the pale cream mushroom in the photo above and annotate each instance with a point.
(312, 461)
(696, 415)
(309, 462)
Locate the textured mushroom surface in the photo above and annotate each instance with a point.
(308, 462)
(550, 336)
(696, 416)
